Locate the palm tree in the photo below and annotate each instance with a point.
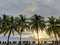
(4, 22)
(4, 25)
(37, 23)
(22, 24)
(58, 26)
(53, 27)
(0, 22)
(58, 20)
(8, 26)
(12, 27)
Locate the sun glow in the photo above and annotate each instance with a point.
(29, 34)
(41, 35)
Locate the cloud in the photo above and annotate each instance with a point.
(47, 2)
(29, 7)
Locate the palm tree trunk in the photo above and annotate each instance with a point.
(38, 37)
(20, 35)
(8, 38)
(56, 42)
(20, 38)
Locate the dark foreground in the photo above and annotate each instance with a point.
(31, 43)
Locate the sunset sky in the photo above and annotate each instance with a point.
(29, 7)
(45, 8)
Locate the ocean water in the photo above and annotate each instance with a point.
(16, 39)
(26, 34)
(11, 38)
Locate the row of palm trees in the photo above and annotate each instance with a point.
(9, 24)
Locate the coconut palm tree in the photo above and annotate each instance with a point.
(22, 24)
(8, 27)
(37, 23)
(4, 22)
(53, 27)
(58, 20)
(0, 22)
(12, 27)
(58, 26)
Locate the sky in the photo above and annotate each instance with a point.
(45, 8)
